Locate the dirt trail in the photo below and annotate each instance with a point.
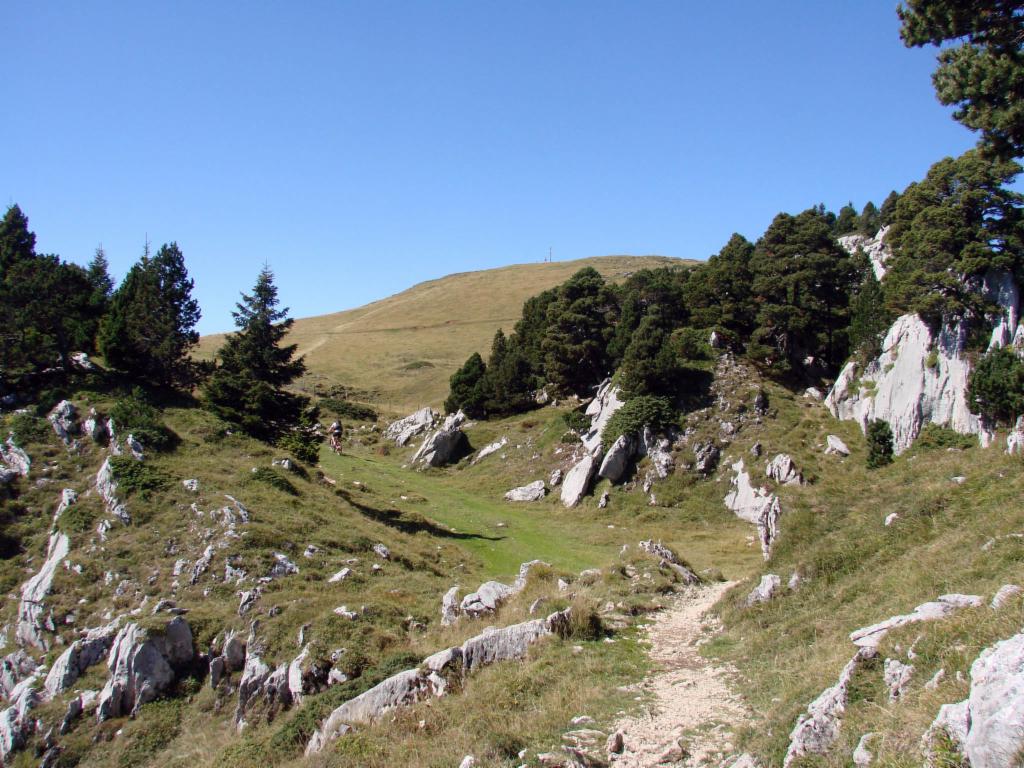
(690, 709)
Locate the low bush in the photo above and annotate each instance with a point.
(637, 413)
(349, 410)
(138, 478)
(28, 428)
(270, 477)
(136, 416)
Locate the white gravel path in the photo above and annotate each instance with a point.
(690, 709)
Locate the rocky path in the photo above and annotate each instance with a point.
(690, 709)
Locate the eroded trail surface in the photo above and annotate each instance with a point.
(690, 709)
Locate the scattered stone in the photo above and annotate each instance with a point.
(1004, 595)
(814, 393)
(62, 418)
(450, 607)
(765, 591)
(248, 600)
(706, 457)
(891, 518)
(756, 450)
(341, 575)
(556, 478)
(783, 471)
(615, 744)
(835, 446)
(617, 459)
(191, 485)
(670, 560)
(468, 762)
(282, 566)
(535, 491)
(1015, 439)
(488, 449)
(486, 599)
(603, 501)
(15, 458)
(897, 677)
(345, 613)
(959, 479)
(862, 756)
(937, 678)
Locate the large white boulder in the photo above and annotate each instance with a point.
(78, 657)
(577, 480)
(490, 448)
(62, 418)
(404, 430)
(600, 410)
(768, 587)
(142, 665)
(783, 470)
(616, 460)
(441, 446)
(486, 599)
(534, 491)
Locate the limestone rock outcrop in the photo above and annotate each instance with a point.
(577, 480)
(63, 420)
(15, 458)
(142, 664)
(14, 667)
(404, 430)
(874, 248)
(768, 587)
(490, 448)
(600, 410)
(78, 657)
(988, 727)
(670, 559)
(755, 505)
(616, 460)
(431, 678)
(942, 606)
(31, 624)
(442, 445)
(16, 722)
(783, 470)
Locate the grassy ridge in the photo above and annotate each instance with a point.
(403, 349)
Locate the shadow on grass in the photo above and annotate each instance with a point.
(408, 523)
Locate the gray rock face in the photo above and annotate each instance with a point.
(381, 551)
(769, 586)
(16, 722)
(783, 471)
(535, 491)
(142, 666)
(616, 460)
(76, 708)
(404, 430)
(862, 756)
(106, 487)
(706, 456)
(817, 730)
(942, 606)
(30, 626)
(577, 481)
(259, 683)
(916, 380)
(755, 505)
(989, 726)
(1015, 439)
(600, 410)
(282, 566)
(95, 428)
(14, 667)
(556, 478)
(78, 657)
(62, 418)
(430, 679)
(659, 451)
(874, 248)
(15, 458)
(440, 446)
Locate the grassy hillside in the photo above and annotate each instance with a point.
(402, 350)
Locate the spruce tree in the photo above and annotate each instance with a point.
(888, 209)
(846, 222)
(150, 326)
(879, 444)
(247, 387)
(870, 220)
(468, 388)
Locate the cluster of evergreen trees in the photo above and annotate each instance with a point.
(145, 331)
(794, 302)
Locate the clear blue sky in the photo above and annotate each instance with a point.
(361, 147)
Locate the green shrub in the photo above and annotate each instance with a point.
(637, 413)
(137, 477)
(349, 410)
(77, 518)
(274, 480)
(879, 444)
(934, 436)
(134, 415)
(996, 386)
(932, 361)
(576, 420)
(28, 428)
(303, 445)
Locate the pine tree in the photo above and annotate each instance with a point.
(847, 221)
(888, 209)
(468, 389)
(718, 292)
(870, 220)
(879, 444)
(981, 65)
(150, 326)
(580, 325)
(649, 366)
(247, 387)
(17, 243)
